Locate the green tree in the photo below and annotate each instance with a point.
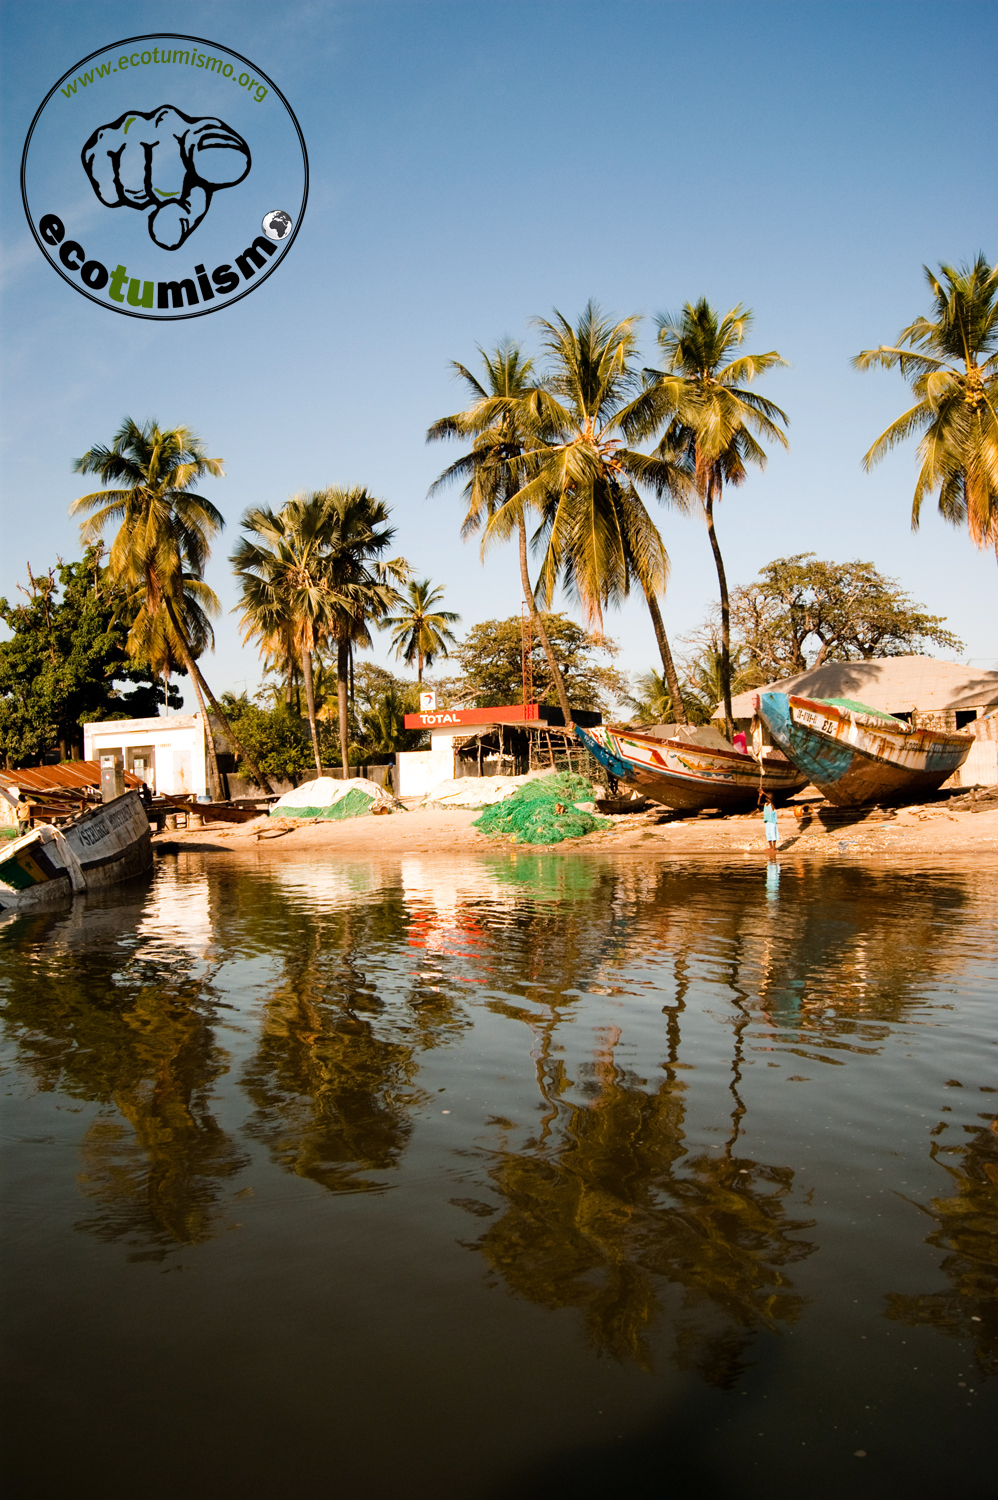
(652, 701)
(599, 536)
(381, 704)
(277, 737)
(801, 612)
(66, 659)
(712, 417)
(421, 633)
(163, 540)
(494, 471)
(491, 662)
(282, 567)
(950, 360)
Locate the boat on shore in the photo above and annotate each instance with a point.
(855, 754)
(99, 847)
(690, 767)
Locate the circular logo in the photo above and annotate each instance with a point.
(147, 173)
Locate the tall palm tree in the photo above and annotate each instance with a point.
(361, 584)
(421, 633)
(701, 394)
(580, 477)
(282, 566)
(494, 469)
(951, 363)
(164, 536)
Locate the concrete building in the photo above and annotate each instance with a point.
(926, 693)
(506, 731)
(167, 754)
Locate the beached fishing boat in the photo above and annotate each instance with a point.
(97, 848)
(689, 767)
(855, 754)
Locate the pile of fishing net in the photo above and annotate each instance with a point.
(544, 811)
(331, 799)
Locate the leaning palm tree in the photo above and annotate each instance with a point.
(701, 394)
(164, 536)
(421, 633)
(283, 574)
(494, 469)
(579, 476)
(951, 364)
(361, 585)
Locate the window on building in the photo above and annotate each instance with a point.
(965, 716)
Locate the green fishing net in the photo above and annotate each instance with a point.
(531, 815)
(857, 707)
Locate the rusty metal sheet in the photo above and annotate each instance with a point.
(70, 775)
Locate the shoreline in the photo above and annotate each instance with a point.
(918, 833)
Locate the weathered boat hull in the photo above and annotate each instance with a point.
(688, 776)
(855, 758)
(101, 847)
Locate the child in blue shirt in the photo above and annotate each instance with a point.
(769, 824)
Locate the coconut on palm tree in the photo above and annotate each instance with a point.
(494, 469)
(163, 542)
(712, 419)
(421, 633)
(950, 360)
(580, 477)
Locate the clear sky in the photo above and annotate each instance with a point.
(476, 164)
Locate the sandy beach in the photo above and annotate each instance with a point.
(918, 834)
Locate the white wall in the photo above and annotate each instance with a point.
(177, 744)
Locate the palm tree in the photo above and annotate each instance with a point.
(711, 419)
(163, 539)
(494, 469)
(283, 573)
(580, 477)
(951, 364)
(361, 586)
(421, 634)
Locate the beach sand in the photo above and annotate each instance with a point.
(918, 834)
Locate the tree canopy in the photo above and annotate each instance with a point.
(492, 665)
(67, 660)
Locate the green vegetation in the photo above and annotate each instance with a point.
(421, 633)
(951, 363)
(492, 666)
(66, 661)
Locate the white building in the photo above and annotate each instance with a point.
(167, 754)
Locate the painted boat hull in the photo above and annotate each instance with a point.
(105, 845)
(688, 776)
(854, 758)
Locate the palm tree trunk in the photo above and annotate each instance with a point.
(668, 664)
(538, 624)
(729, 723)
(342, 665)
(419, 673)
(202, 688)
(306, 662)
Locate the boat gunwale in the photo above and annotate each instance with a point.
(873, 724)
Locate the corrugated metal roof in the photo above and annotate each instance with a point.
(894, 684)
(70, 775)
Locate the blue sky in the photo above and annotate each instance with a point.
(474, 165)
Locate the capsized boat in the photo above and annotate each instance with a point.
(690, 766)
(99, 847)
(855, 754)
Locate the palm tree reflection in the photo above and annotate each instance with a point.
(967, 1233)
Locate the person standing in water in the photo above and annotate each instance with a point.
(769, 824)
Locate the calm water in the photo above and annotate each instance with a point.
(503, 1178)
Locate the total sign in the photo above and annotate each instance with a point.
(164, 177)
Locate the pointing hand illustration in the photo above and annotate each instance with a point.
(167, 161)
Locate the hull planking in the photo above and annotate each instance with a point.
(686, 775)
(109, 844)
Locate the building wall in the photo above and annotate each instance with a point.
(175, 746)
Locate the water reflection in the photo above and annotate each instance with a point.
(99, 1017)
(967, 1234)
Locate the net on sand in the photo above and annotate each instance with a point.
(543, 812)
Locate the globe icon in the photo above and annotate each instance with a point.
(277, 224)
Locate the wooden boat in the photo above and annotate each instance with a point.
(100, 847)
(689, 767)
(231, 812)
(854, 754)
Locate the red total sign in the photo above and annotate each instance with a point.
(516, 713)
